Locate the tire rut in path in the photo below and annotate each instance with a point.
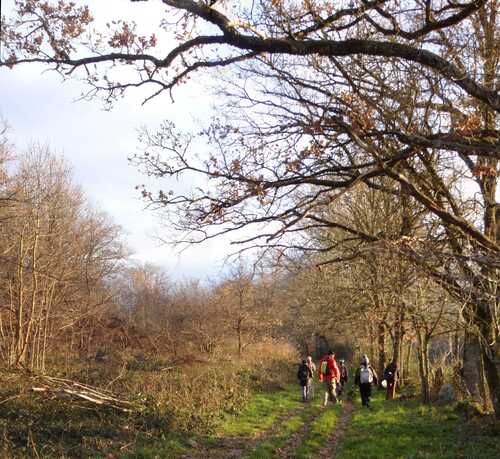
(298, 437)
(237, 447)
(330, 450)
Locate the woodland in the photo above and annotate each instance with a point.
(353, 161)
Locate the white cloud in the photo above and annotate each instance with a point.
(41, 107)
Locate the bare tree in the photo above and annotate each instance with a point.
(54, 267)
(323, 99)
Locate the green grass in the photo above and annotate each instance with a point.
(169, 446)
(410, 430)
(32, 425)
(35, 426)
(276, 416)
(260, 413)
(265, 424)
(267, 448)
(265, 411)
(292, 425)
(320, 431)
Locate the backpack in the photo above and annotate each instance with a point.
(325, 369)
(303, 373)
(388, 376)
(365, 375)
(389, 373)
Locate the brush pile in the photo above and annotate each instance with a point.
(73, 390)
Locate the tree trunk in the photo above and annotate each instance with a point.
(381, 348)
(487, 317)
(424, 376)
(423, 363)
(456, 345)
(491, 361)
(19, 337)
(408, 359)
(398, 336)
(373, 340)
(28, 343)
(471, 368)
(484, 389)
(402, 368)
(240, 338)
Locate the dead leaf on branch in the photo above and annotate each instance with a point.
(485, 171)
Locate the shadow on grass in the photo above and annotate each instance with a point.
(32, 425)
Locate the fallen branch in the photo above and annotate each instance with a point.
(9, 398)
(60, 387)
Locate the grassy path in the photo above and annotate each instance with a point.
(398, 429)
(273, 424)
(343, 425)
(277, 425)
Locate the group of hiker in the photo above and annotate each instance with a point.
(334, 377)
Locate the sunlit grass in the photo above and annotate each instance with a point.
(410, 430)
(260, 412)
(268, 421)
(319, 433)
(286, 429)
(169, 447)
(268, 448)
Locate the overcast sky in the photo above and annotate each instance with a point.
(40, 107)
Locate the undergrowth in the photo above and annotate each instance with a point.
(176, 403)
(247, 410)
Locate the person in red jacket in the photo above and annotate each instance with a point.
(329, 374)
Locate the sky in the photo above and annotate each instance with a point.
(40, 107)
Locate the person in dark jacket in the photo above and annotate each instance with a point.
(365, 377)
(391, 375)
(310, 383)
(304, 374)
(344, 377)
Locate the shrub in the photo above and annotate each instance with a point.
(194, 398)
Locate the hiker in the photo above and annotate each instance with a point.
(391, 375)
(310, 385)
(329, 375)
(364, 378)
(304, 374)
(344, 377)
